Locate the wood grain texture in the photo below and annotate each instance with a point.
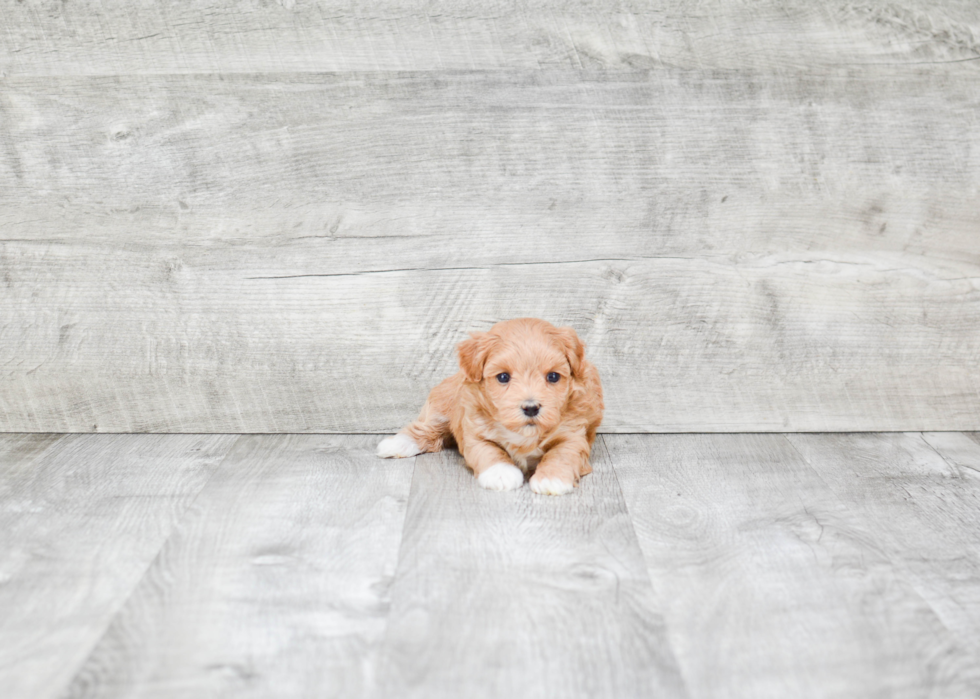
(774, 586)
(18, 450)
(658, 162)
(961, 450)
(111, 37)
(741, 251)
(82, 517)
(833, 566)
(517, 594)
(924, 506)
(681, 344)
(275, 584)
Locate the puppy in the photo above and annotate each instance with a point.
(524, 401)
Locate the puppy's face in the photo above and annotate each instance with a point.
(525, 369)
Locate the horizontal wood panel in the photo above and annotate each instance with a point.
(649, 162)
(154, 343)
(447, 171)
(301, 253)
(109, 37)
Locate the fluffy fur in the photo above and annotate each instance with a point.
(492, 422)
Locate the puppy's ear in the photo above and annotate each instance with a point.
(573, 346)
(473, 354)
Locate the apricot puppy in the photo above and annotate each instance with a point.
(524, 401)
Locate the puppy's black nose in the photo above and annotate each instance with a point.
(530, 408)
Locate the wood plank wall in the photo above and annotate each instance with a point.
(282, 216)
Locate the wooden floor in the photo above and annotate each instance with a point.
(740, 565)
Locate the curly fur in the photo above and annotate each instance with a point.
(486, 419)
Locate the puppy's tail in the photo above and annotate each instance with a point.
(431, 435)
(417, 438)
(431, 431)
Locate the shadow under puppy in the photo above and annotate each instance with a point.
(524, 401)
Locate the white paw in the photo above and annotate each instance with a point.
(501, 477)
(551, 486)
(398, 446)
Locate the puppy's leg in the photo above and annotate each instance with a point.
(561, 467)
(493, 469)
(430, 431)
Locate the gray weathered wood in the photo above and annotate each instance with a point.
(923, 507)
(852, 573)
(775, 587)
(274, 584)
(681, 344)
(532, 165)
(19, 451)
(112, 36)
(961, 450)
(516, 594)
(740, 251)
(80, 523)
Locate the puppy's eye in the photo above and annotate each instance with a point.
(553, 377)
(503, 377)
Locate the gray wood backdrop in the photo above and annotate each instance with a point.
(282, 216)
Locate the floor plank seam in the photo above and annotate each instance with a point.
(124, 600)
(646, 569)
(900, 567)
(383, 645)
(954, 465)
(810, 465)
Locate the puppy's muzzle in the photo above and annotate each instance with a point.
(530, 408)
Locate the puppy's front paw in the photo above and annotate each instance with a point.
(550, 486)
(501, 477)
(398, 446)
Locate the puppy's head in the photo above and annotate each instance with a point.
(525, 369)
